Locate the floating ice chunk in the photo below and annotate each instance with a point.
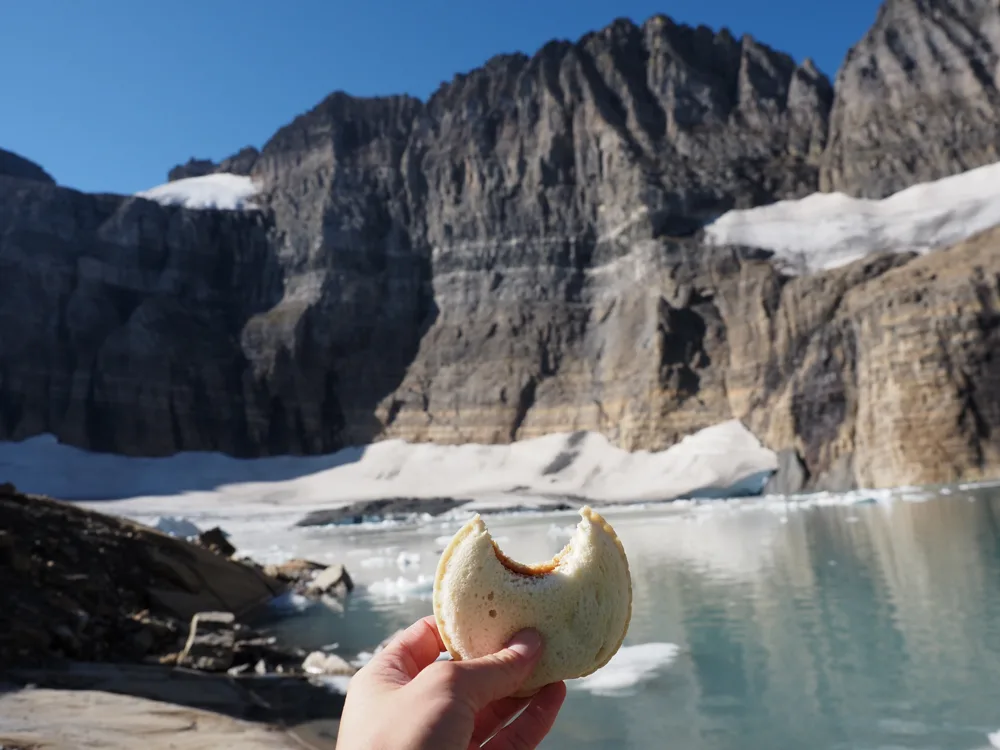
(628, 668)
(403, 588)
(179, 527)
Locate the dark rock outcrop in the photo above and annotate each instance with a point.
(192, 168)
(12, 165)
(85, 586)
(141, 329)
(791, 477)
(241, 163)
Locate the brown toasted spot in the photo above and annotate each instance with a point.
(490, 597)
(535, 571)
(493, 613)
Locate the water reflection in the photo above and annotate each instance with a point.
(864, 626)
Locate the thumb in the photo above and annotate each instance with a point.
(488, 678)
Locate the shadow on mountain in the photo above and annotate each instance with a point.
(146, 331)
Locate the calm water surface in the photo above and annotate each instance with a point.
(870, 626)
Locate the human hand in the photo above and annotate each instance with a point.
(404, 699)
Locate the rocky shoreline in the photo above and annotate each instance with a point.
(100, 604)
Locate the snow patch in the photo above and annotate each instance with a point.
(631, 666)
(228, 192)
(825, 230)
(722, 460)
(994, 738)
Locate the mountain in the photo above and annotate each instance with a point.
(519, 255)
(917, 97)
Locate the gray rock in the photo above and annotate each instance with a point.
(333, 580)
(241, 163)
(192, 168)
(161, 329)
(916, 98)
(12, 165)
(210, 642)
(791, 476)
(840, 477)
(217, 540)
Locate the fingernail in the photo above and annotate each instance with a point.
(525, 643)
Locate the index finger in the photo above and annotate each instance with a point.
(414, 649)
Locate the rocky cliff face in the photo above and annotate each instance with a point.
(518, 255)
(879, 373)
(508, 196)
(122, 320)
(917, 97)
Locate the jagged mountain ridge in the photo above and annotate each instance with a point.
(917, 97)
(516, 256)
(745, 123)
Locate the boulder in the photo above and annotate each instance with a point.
(334, 580)
(790, 477)
(82, 585)
(295, 571)
(217, 540)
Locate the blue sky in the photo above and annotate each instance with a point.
(107, 95)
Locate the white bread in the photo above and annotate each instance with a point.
(580, 601)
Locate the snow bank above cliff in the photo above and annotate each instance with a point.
(825, 230)
(229, 192)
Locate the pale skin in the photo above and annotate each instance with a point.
(404, 699)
